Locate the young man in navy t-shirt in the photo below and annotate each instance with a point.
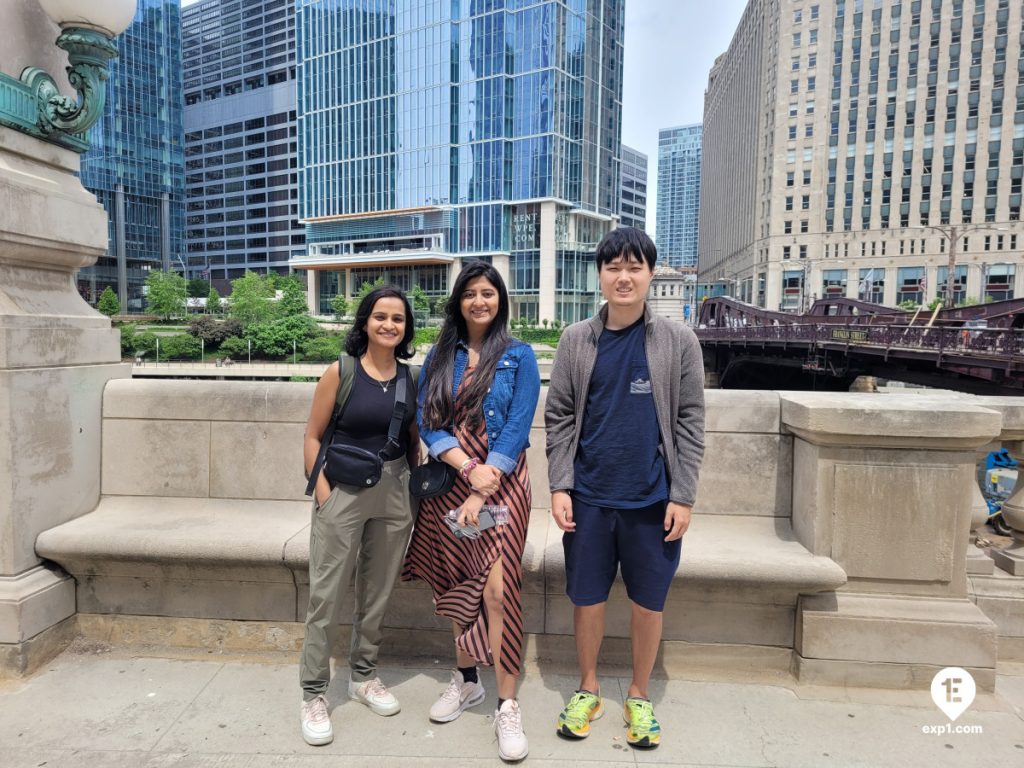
(625, 437)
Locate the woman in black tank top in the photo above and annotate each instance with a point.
(359, 531)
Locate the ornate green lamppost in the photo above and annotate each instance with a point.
(34, 105)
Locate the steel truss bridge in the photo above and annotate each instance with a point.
(977, 349)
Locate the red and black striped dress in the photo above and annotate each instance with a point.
(457, 569)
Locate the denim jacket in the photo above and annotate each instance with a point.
(509, 405)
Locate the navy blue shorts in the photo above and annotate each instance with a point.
(606, 538)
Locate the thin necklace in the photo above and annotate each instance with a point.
(385, 384)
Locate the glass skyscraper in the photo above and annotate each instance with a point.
(135, 165)
(241, 173)
(634, 188)
(433, 131)
(679, 164)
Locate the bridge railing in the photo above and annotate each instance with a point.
(998, 342)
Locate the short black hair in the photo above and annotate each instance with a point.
(357, 340)
(630, 243)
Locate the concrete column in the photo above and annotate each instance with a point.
(500, 261)
(313, 290)
(546, 303)
(56, 356)
(889, 293)
(882, 484)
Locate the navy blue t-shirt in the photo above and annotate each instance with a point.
(617, 462)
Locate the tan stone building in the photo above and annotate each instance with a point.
(848, 145)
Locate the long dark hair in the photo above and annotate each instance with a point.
(439, 405)
(357, 340)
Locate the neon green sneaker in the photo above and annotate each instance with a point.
(574, 720)
(644, 730)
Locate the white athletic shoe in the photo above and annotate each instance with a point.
(316, 722)
(375, 695)
(458, 696)
(508, 726)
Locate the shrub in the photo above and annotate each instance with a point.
(426, 335)
(275, 338)
(127, 340)
(180, 347)
(322, 348)
(144, 344)
(212, 331)
(235, 347)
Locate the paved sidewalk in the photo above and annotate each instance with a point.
(96, 708)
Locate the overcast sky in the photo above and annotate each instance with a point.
(669, 48)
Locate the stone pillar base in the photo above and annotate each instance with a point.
(1001, 598)
(891, 642)
(33, 605)
(979, 563)
(1010, 560)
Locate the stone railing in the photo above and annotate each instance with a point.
(829, 537)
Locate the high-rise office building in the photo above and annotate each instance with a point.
(849, 145)
(240, 138)
(433, 131)
(135, 164)
(633, 210)
(679, 168)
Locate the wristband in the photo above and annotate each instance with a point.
(468, 466)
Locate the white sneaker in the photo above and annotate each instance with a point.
(508, 726)
(316, 722)
(458, 696)
(375, 695)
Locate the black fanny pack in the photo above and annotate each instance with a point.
(350, 465)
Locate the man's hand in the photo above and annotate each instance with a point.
(561, 510)
(677, 520)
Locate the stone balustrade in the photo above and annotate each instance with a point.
(829, 536)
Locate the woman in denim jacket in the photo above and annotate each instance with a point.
(477, 395)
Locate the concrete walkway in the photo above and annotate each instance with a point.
(94, 707)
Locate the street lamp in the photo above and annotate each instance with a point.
(33, 104)
(953, 233)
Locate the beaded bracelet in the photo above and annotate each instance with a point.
(468, 466)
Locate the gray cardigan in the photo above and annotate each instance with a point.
(677, 380)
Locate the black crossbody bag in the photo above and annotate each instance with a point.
(349, 464)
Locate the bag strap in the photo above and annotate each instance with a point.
(398, 414)
(346, 376)
(345, 382)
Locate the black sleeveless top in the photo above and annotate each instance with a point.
(364, 422)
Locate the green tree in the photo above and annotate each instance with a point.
(108, 303)
(274, 338)
(293, 299)
(250, 299)
(166, 294)
(419, 299)
(936, 302)
(339, 305)
(365, 289)
(213, 303)
(439, 304)
(908, 304)
(198, 288)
